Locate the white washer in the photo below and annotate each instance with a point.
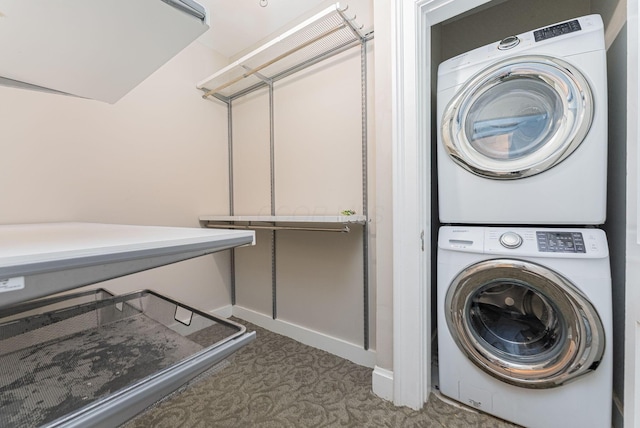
(523, 129)
(525, 323)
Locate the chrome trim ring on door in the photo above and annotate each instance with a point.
(575, 340)
(562, 85)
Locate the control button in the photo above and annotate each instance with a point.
(510, 240)
(508, 43)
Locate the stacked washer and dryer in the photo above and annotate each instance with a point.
(524, 283)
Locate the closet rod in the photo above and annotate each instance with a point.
(343, 229)
(274, 60)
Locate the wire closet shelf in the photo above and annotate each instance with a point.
(326, 33)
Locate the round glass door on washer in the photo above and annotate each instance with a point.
(529, 118)
(524, 323)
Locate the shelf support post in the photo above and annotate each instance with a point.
(232, 255)
(272, 160)
(365, 191)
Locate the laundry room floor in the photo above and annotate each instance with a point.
(278, 382)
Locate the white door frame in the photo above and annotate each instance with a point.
(632, 294)
(411, 22)
(411, 94)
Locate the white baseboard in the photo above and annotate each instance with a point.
(382, 383)
(223, 312)
(339, 347)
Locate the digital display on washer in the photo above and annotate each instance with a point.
(560, 242)
(556, 30)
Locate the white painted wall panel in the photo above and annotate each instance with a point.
(319, 279)
(632, 259)
(251, 158)
(318, 171)
(157, 157)
(318, 139)
(252, 196)
(253, 275)
(382, 222)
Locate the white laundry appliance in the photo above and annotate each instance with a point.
(522, 135)
(525, 323)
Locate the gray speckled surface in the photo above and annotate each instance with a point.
(43, 382)
(278, 382)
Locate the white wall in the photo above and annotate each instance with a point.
(317, 171)
(156, 157)
(632, 312)
(382, 235)
(159, 156)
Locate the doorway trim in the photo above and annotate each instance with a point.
(631, 406)
(411, 94)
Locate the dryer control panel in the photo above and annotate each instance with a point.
(556, 30)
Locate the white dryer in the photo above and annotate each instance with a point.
(523, 129)
(525, 324)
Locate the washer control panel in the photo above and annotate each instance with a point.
(525, 241)
(560, 242)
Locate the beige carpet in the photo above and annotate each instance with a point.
(278, 382)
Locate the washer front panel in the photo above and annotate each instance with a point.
(524, 324)
(518, 118)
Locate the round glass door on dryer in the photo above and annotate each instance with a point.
(522, 135)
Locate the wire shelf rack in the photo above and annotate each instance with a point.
(326, 32)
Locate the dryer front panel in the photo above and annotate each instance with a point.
(518, 118)
(523, 323)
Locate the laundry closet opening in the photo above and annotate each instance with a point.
(495, 21)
